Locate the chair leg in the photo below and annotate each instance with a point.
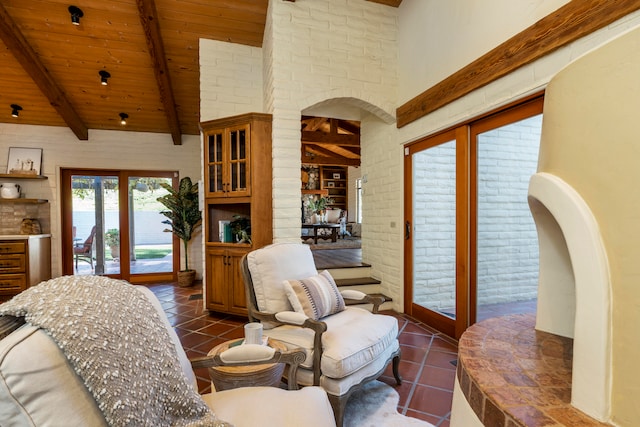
(396, 369)
(338, 404)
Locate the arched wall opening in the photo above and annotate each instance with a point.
(574, 291)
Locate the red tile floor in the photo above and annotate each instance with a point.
(427, 365)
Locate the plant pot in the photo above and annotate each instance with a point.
(186, 278)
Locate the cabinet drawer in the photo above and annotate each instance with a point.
(12, 247)
(13, 263)
(12, 283)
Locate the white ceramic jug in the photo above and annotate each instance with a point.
(9, 190)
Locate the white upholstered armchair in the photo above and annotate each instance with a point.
(346, 346)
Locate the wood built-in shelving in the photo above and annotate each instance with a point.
(13, 176)
(27, 201)
(6, 176)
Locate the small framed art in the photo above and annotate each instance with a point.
(336, 176)
(24, 161)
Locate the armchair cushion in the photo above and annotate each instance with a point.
(269, 269)
(354, 338)
(316, 296)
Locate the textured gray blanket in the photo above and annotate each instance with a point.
(116, 342)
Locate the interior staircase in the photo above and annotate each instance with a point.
(359, 278)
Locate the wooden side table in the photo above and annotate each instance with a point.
(229, 377)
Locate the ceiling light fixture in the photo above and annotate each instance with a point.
(104, 75)
(123, 118)
(76, 14)
(15, 110)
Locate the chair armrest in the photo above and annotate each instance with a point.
(352, 297)
(291, 318)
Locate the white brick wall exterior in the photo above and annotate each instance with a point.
(507, 267)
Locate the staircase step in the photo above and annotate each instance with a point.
(350, 273)
(355, 281)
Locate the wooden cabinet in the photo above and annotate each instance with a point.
(24, 261)
(224, 268)
(333, 180)
(237, 185)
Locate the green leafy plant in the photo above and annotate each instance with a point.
(112, 237)
(320, 204)
(241, 229)
(183, 212)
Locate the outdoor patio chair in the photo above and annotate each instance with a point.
(346, 345)
(84, 251)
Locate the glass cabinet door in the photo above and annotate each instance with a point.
(238, 161)
(215, 163)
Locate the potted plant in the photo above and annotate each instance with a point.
(241, 229)
(184, 217)
(318, 206)
(112, 239)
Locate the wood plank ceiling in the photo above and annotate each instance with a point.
(328, 141)
(150, 48)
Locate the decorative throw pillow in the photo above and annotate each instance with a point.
(316, 296)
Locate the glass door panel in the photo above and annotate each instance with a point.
(95, 207)
(150, 248)
(214, 163)
(238, 159)
(434, 229)
(507, 242)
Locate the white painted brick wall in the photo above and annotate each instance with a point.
(322, 49)
(230, 79)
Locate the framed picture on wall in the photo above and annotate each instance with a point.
(24, 161)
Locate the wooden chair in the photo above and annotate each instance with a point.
(84, 252)
(344, 350)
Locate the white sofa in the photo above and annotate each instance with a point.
(38, 387)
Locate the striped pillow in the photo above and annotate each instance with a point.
(316, 296)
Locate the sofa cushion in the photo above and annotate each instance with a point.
(334, 215)
(316, 296)
(38, 386)
(308, 407)
(271, 265)
(354, 338)
(34, 371)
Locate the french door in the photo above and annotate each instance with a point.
(111, 225)
(470, 243)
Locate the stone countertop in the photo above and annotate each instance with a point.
(23, 236)
(513, 375)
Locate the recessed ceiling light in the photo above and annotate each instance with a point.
(15, 110)
(76, 14)
(104, 76)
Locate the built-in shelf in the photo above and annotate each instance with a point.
(14, 176)
(25, 201)
(320, 192)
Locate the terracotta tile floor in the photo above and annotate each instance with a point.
(426, 367)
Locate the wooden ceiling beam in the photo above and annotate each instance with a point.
(318, 155)
(331, 138)
(151, 27)
(570, 22)
(23, 52)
